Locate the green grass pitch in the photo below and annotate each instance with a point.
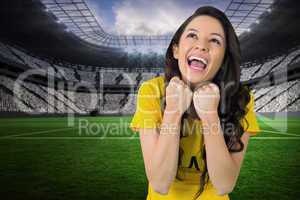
(44, 158)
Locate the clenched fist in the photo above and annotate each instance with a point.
(206, 99)
(178, 96)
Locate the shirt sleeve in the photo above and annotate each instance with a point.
(148, 109)
(250, 123)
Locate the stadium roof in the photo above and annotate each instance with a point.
(80, 20)
(243, 13)
(27, 25)
(276, 34)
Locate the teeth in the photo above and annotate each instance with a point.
(199, 59)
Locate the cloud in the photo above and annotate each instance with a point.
(146, 17)
(143, 17)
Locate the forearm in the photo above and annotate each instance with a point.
(163, 165)
(222, 169)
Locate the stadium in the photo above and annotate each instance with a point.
(68, 87)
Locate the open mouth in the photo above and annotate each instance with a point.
(197, 63)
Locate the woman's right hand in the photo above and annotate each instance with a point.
(178, 96)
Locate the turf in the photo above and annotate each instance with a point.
(44, 158)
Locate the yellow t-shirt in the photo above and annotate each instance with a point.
(149, 115)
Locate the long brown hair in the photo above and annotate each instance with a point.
(234, 97)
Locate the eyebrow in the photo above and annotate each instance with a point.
(217, 34)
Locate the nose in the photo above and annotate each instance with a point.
(202, 46)
(205, 49)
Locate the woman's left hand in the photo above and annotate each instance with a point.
(206, 100)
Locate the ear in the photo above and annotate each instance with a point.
(175, 51)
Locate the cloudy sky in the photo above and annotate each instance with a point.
(146, 17)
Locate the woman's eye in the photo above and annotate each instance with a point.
(192, 35)
(216, 41)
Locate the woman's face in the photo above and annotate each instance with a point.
(201, 50)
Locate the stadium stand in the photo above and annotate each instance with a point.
(277, 98)
(6, 53)
(35, 98)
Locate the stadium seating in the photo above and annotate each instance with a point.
(5, 52)
(277, 98)
(38, 99)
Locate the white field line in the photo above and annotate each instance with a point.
(275, 138)
(125, 138)
(37, 132)
(19, 136)
(71, 138)
(280, 133)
